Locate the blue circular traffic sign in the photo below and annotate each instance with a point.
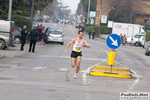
(113, 41)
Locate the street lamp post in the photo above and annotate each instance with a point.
(32, 14)
(10, 8)
(88, 11)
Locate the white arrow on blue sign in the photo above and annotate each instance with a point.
(113, 41)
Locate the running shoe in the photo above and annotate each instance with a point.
(75, 76)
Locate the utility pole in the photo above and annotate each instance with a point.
(98, 12)
(88, 11)
(32, 14)
(10, 9)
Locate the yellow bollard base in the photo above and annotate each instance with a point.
(119, 72)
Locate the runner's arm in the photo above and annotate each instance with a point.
(86, 44)
(69, 45)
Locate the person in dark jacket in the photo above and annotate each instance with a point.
(24, 33)
(39, 31)
(33, 39)
(93, 35)
(90, 34)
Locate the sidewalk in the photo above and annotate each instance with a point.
(15, 51)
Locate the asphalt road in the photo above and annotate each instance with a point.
(47, 74)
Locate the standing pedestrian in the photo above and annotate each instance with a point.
(124, 39)
(121, 36)
(90, 34)
(76, 54)
(39, 31)
(24, 33)
(43, 38)
(93, 35)
(41, 27)
(33, 39)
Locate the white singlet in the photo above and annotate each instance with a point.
(77, 46)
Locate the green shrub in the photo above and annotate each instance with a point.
(148, 35)
(99, 29)
(20, 21)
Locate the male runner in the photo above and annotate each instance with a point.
(76, 54)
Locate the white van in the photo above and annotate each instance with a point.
(7, 29)
(130, 30)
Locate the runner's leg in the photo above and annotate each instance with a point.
(73, 62)
(78, 64)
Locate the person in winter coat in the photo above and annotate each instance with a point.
(124, 39)
(39, 31)
(90, 34)
(24, 33)
(41, 27)
(33, 39)
(93, 35)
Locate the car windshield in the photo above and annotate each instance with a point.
(56, 32)
(137, 36)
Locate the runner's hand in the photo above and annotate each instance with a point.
(65, 51)
(84, 45)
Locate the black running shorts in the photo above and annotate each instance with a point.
(75, 54)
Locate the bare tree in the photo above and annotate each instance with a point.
(122, 10)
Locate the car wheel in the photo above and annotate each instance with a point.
(62, 43)
(17, 40)
(2, 44)
(136, 44)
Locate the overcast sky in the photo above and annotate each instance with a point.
(73, 4)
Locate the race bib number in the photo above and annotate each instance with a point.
(78, 48)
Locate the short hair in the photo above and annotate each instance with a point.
(25, 26)
(80, 31)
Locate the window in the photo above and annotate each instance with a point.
(146, 21)
(56, 32)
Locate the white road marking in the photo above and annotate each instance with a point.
(63, 69)
(13, 66)
(135, 81)
(66, 57)
(73, 32)
(38, 68)
(84, 77)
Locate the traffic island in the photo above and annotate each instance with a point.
(120, 72)
(113, 41)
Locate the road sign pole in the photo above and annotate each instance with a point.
(111, 68)
(10, 9)
(88, 11)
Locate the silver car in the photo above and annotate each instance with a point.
(147, 51)
(7, 29)
(55, 35)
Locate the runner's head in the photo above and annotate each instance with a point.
(80, 33)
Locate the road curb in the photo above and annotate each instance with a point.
(120, 72)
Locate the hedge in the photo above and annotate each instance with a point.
(99, 29)
(20, 21)
(148, 35)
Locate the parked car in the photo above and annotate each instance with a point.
(55, 35)
(142, 41)
(147, 51)
(17, 34)
(136, 39)
(7, 29)
(128, 40)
